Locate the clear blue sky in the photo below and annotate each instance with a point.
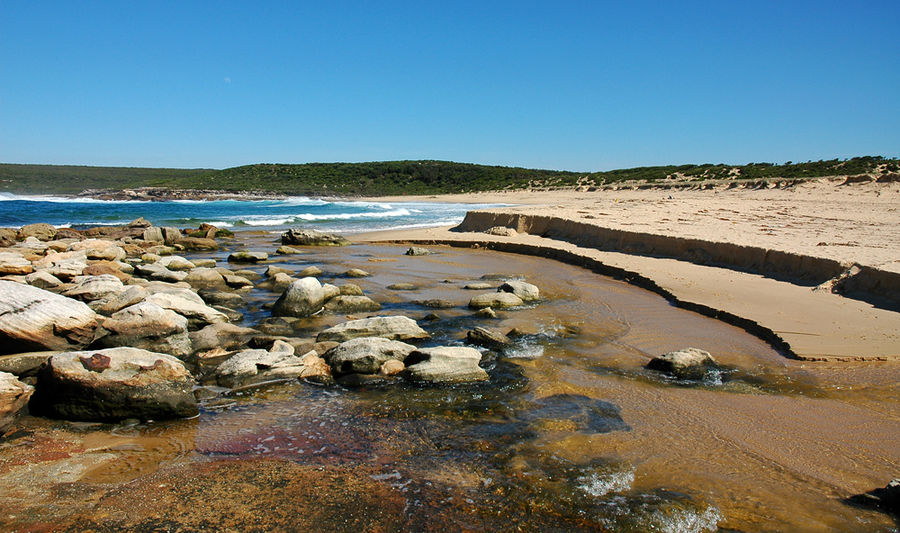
(563, 85)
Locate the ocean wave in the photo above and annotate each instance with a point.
(10, 197)
(299, 200)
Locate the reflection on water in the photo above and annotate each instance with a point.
(572, 433)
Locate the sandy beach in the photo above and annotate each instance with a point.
(777, 256)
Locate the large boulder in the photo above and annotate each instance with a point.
(35, 319)
(302, 298)
(149, 326)
(205, 278)
(526, 291)
(44, 232)
(90, 288)
(351, 304)
(14, 263)
(388, 327)
(188, 304)
(495, 300)
(689, 363)
(114, 384)
(365, 355)
(310, 237)
(14, 397)
(445, 364)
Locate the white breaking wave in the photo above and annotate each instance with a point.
(8, 197)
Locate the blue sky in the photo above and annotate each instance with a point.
(564, 85)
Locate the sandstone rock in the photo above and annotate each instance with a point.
(310, 272)
(235, 281)
(160, 273)
(402, 287)
(330, 291)
(90, 288)
(205, 278)
(488, 338)
(257, 366)
(14, 396)
(161, 250)
(7, 237)
(444, 364)
(495, 300)
(108, 268)
(154, 234)
(278, 283)
(221, 335)
(171, 235)
(414, 250)
(308, 237)
(216, 297)
(99, 249)
(365, 355)
(302, 298)
(486, 312)
(114, 384)
(351, 304)
(248, 257)
(41, 231)
(689, 363)
(65, 265)
(42, 280)
(14, 263)
(356, 273)
(147, 325)
(351, 289)
(115, 302)
(25, 364)
(188, 304)
(388, 327)
(35, 319)
(139, 222)
(435, 303)
(271, 270)
(197, 244)
(175, 262)
(204, 263)
(502, 231)
(392, 367)
(526, 291)
(288, 250)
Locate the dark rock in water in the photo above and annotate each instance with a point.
(690, 363)
(431, 317)
(309, 237)
(445, 364)
(886, 498)
(365, 355)
(488, 338)
(115, 384)
(388, 327)
(34, 319)
(435, 303)
(364, 380)
(14, 396)
(588, 414)
(302, 298)
(248, 257)
(216, 297)
(415, 250)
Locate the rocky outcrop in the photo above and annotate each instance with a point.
(526, 291)
(309, 237)
(147, 325)
(388, 327)
(445, 364)
(365, 355)
(302, 298)
(495, 300)
(35, 319)
(114, 384)
(14, 396)
(689, 363)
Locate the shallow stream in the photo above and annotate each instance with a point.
(572, 433)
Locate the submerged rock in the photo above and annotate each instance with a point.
(114, 384)
(366, 355)
(35, 319)
(309, 237)
(689, 363)
(444, 364)
(302, 298)
(495, 300)
(14, 396)
(415, 250)
(388, 327)
(356, 273)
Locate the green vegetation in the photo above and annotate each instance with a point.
(401, 177)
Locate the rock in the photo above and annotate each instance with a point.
(222, 335)
(280, 282)
(154, 234)
(159, 273)
(351, 304)
(42, 280)
(197, 244)
(14, 396)
(216, 297)
(444, 364)
(257, 366)
(388, 327)
(502, 231)
(889, 496)
(414, 250)
(25, 364)
(431, 317)
(90, 288)
(365, 355)
(175, 262)
(7, 237)
(689, 363)
(232, 314)
(310, 272)
(330, 291)
(288, 250)
(271, 270)
(302, 298)
(486, 312)
(35, 319)
(147, 325)
(435, 303)
(114, 384)
(171, 235)
(139, 222)
(356, 273)
(351, 289)
(161, 250)
(65, 265)
(526, 291)
(120, 300)
(40, 231)
(248, 257)
(308, 237)
(495, 300)
(403, 287)
(188, 304)
(488, 338)
(14, 263)
(108, 268)
(205, 278)
(150, 258)
(204, 263)
(392, 367)
(99, 249)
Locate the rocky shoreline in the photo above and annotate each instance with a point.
(163, 194)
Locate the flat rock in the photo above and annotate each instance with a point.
(310, 272)
(356, 273)
(223, 335)
(248, 257)
(155, 271)
(114, 384)
(309, 237)
(205, 278)
(495, 300)
(217, 297)
(14, 396)
(351, 304)
(63, 265)
(302, 298)
(24, 364)
(288, 250)
(147, 325)
(366, 355)
(388, 327)
(689, 363)
(42, 280)
(271, 270)
(198, 244)
(90, 288)
(176, 262)
(256, 366)
(351, 289)
(403, 287)
(488, 338)
(444, 364)
(36, 319)
(188, 304)
(478, 286)
(117, 301)
(14, 263)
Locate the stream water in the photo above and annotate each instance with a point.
(571, 433)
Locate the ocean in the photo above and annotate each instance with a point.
(344, 216)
